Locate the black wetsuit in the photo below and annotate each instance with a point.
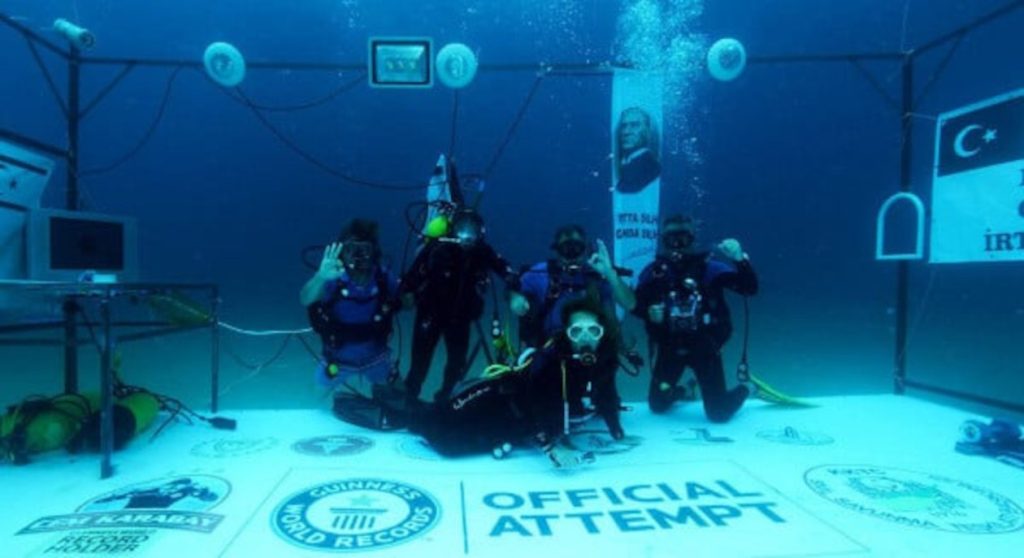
(448, 281)
(518, 407)
(693, 341)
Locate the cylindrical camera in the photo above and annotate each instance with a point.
(79, 37)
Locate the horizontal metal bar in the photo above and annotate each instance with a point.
(785, 58)
(33, 36)
(160, 332)
(110, 289)
(35, 342)
(30, 143)
(987, 401)
(996, 14)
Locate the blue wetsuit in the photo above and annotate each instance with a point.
(356, 324)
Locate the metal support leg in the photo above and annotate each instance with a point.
(70, 310)
(106, 394)
(214, 350)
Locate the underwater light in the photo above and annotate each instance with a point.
(727, 59)
(224, 64)
(79, 37)
(401, 62)
(456, 65)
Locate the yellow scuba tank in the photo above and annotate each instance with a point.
(41, 425)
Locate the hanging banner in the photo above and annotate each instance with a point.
(978, 185)
(636, 166)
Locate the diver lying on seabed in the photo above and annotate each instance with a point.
(528, 403)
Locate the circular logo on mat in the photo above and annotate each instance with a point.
(417, 448)
(792, 436)
(181, 493)
(599, 442)
(333, 446)
(916, 499)
(355, 515)
(232, 447)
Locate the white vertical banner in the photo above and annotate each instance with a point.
(978, 183)
(636, 166)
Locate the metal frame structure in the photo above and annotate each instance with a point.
(909, 99)
(73, 297)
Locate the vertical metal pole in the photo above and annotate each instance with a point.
(74, 72)
(106, 393)
(903, 269)
(70, 310)
(214, 349)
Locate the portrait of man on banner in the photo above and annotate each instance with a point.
(637, 159)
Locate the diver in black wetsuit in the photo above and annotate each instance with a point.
(447, 280)
(527, 404)
(680, 297)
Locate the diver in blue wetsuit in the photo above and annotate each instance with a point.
(575, 273)
(681, 298)
(351, 301)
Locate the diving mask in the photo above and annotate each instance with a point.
(678, 240)
(571, 250)
(585, 333)
(358, 254)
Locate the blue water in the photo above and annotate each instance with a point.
(792, 159)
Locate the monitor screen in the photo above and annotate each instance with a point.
(86, 244)
(64, 245)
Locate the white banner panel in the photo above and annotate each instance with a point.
(636, 166)
(978, 185)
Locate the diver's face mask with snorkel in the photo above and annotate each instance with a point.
(358, 255)
(585, 335)
(677, 242)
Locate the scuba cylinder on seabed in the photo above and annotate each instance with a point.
(39, 425)
(133, 414)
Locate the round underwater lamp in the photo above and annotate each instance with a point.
(456, 65)
(727, 59)
(79, 37)
(224, 64)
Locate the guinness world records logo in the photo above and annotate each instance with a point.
(355, 515)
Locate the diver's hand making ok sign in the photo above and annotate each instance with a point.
(330, 266)
(601, 262)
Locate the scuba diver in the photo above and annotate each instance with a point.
(351, 301)
(528, 403)
(547, 287)
(574, 273)
(447, 280)
(680, 296)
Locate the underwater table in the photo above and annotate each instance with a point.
(182, 313)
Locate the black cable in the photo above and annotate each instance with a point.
(342, 89)
(145, 137)
(313, 160)
(515, 124)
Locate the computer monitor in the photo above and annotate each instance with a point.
(62, 245)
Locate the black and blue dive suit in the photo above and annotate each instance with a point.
(695, 327)
(518, 407)
(448, 281)
(354, 322)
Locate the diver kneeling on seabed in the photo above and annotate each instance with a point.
(351, 301)
(527, 404)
